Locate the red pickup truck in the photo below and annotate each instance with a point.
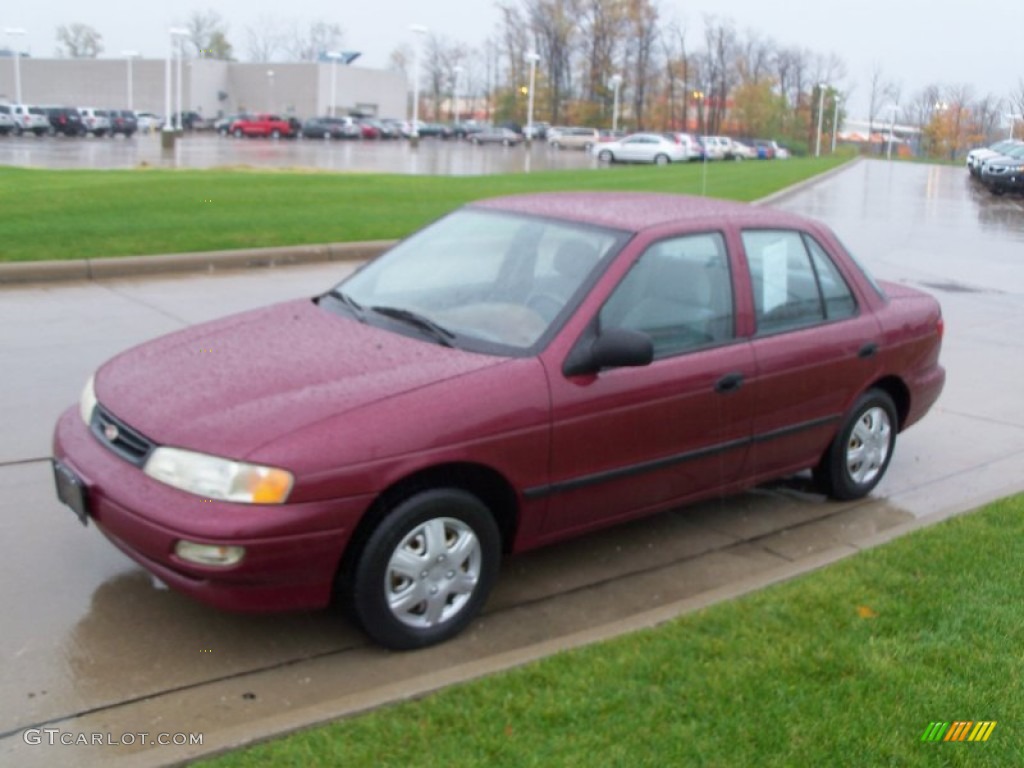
(273, 126)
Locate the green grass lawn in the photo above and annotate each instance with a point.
(86, 214)
(846, 666)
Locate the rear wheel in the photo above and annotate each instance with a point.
(859, 455)
(275, 134)
(661, 160)
(426, 570)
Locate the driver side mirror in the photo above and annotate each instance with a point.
(613, 348)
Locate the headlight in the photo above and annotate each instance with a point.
(87, 402)
(216, 478)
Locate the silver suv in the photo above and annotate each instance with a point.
(95, 121)
(30, 119)
(6, 119)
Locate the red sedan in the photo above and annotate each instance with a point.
(524, 370)
(272, 126)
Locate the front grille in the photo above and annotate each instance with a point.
(129, 444)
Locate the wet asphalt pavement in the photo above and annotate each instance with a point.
(90, 645)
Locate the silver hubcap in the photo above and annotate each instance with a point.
(432, 572)
(868, 446)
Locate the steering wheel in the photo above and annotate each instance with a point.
(547, 305)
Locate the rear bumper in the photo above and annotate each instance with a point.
(292, 550)
(925, 390)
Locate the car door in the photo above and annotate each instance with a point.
(636, 148)
(814, 349)
(630, 440)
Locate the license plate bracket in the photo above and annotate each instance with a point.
(71, 490)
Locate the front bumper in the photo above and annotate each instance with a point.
(292, 550)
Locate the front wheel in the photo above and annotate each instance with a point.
(605, 156)
(859, 455)
(661, 160)
(427, 569)
(275, 134)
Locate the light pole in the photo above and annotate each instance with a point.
(457, 71)
(128, 56)
(13, 32)
(177, 35)
(334, 56)
(1012, 118)
(835, 120)
(893, 108)
(533, 58)
(615, 83)
(821, 106)
(414, 132)
(700, 96)
(270, 90)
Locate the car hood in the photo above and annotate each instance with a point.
(230, 386)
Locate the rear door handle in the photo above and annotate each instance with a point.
(729, 383)
(868, 350)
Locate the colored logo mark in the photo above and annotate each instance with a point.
(959, 730)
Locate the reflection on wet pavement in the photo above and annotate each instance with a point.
(432, 157)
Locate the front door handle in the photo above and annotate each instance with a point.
(868, 350)
(729, 383)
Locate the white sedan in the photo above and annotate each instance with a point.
(640, 148)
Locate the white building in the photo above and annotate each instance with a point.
(209, 86)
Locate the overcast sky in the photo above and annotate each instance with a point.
(916, 42)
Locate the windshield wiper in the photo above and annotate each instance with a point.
(440, 334)
(354, 306)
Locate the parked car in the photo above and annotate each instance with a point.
(330, 128)
(193, 121)
(95, 121)
(575, 138)
(122, 121)
(505, 136)
(641, 148)
(385, 129)
(716, 147)
(690, 143)
(148, 121)
(1005, 172)
(976, 156)
(512, 375)
(6, 119)
(742, 151)
(265, 125)
(65, 120)
(29, 119)
(367, 129)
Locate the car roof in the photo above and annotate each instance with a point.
(637, 211)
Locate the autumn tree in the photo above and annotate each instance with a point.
(78, 41)
(207, 34)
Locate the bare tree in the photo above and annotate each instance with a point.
(312, 43)
(553, 24)
(642, 32)
(1016, 104)
(78, 41)
(264, 40)
(881, 92)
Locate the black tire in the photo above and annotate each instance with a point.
(870, 425)
(238, 133)
(404, 529)
(275, 134)
(661, 160)
(605, 156)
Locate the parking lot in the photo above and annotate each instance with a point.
(209, 150)
(92, 645)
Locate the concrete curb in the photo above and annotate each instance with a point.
(206, 261)
(249, 258)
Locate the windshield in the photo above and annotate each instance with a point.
(493, 281)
